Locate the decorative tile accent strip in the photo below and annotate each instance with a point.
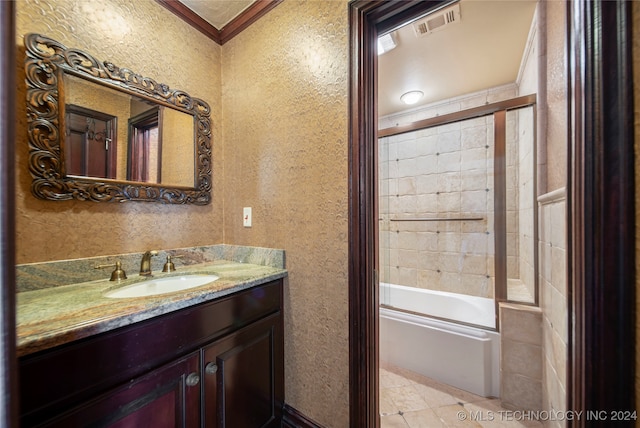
(36, 276)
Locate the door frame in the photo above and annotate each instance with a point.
(8, 376)
(601, 200)
(600, 195)
(367, 19)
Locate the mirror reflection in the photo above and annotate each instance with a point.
(103, 133)
(115, 135)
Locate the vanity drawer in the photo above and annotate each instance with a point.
(54, 380)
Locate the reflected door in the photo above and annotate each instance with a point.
(90, 149)
(145, 147)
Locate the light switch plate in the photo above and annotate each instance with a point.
(246, 216)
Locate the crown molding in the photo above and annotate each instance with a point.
(229, 31)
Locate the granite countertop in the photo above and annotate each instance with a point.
(53, 316)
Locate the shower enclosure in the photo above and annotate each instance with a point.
(457, 217)
(457, 233)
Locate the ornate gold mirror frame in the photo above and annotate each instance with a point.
(45, 65)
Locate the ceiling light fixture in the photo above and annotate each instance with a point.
(411, 97)
(386, 43)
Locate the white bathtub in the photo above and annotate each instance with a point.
(456, 307)
(462, 356)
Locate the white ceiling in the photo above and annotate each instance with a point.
(217, 12)
(482, 51)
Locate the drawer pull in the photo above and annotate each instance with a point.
(211, 368)
(193, 379)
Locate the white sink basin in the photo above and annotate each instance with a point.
(161, 286)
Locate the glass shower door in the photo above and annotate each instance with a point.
(436, 209)
(457, 215)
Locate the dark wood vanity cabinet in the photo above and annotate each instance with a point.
(218, 364)
(164, 398)
(238, 379)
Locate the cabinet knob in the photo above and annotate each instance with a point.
(211, 368)
(193, 379)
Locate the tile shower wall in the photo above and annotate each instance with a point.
(512, 179)
(441, 172)
(520, 191)
(526, 163)
(520, 356)
(553, 302)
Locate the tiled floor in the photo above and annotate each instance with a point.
(409, 400)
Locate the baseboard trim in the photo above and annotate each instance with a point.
(292, 418)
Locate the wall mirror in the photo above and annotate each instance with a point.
(103, 133)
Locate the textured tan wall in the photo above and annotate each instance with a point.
(178, 165)
(147, 38)
(285, 87)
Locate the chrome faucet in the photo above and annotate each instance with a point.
(145, 264)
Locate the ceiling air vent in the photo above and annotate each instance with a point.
(437, 21)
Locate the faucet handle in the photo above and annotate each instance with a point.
(169, 266)
(118, 274)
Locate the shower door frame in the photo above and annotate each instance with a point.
(498, 110)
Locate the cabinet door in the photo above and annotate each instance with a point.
(168, 397)
(243, 377)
